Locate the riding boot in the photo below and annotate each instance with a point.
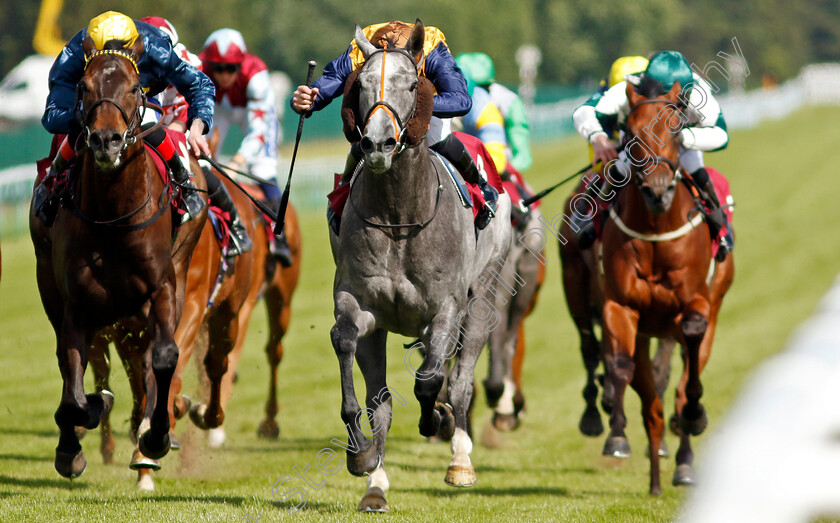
(716, 217)
(219, 195)
(279, 245)
(453, 150)
(45, 201)
(193, 202)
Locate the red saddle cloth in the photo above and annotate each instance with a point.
(43, 164)
(724, 195)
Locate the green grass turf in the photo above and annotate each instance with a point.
(785, 186)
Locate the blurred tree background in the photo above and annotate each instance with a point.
(578, 38)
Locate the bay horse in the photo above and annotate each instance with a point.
(110, 255)
(408, 260)
(659, 280)
(251, 275)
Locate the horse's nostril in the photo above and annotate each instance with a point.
(95, 140)
(116, 138)
(389, 145)
(366, 145)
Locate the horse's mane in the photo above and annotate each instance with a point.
(416, 127)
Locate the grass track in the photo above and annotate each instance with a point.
(785, 187)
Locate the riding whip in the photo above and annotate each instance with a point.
(284, 199)
(535, 198)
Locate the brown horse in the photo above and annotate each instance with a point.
(656, 276)
(110, 255)
(253, 274)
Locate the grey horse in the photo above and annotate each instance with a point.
(409, 261)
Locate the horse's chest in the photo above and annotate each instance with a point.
(103, 279)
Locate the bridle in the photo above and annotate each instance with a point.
(129, 137)
(639, 177)
(399, 125)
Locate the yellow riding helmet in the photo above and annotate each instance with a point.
(112, 25)
(624, 66)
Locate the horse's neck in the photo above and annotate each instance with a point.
(406, 193)
(635, 214)
(105, 195)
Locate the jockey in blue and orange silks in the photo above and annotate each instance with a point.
(158, 66)
(451, 98)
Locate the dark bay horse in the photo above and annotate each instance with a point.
(407, 261)
(253, 274)
(110, 255)
(659, 280)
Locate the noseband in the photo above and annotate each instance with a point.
(129, 137)
(399, 124)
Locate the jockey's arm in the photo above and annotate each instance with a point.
(452, 98)
(326, 88)
(66, 71)
(518, 135)
(260, 110)
(709, 132)
(591, 117)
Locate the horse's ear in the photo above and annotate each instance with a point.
(416, 41)
(88, 46)
(138, 48)
(674, 93)
(632, 96)
(364, 44)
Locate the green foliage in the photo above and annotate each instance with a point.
(578, 38)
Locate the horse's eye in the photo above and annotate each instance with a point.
(413, 86)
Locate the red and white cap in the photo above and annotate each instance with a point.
(164, 25)
(224, 46)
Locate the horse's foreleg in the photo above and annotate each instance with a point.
(371, 357)
(154, 443)
(684, 473)
(576, 283)
(224, 329)
(620, 324)
(100, 363)
(694, 325)
(645, 385)
(350, 324)
(440, 341)
(278, 320)
(461, 472)
(185, 338)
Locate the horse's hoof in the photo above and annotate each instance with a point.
(174, 444)
(145, 483)
(505, 422)
(139, 461)
(150, 449)
(269, 429)
(590, 423)
(656, 491)
(181, 406)
(617, 447)
(216, 438)
(374, 501)
(460, 476)
(694, 424)
(684, 476)
(447, 421)
(70, 464)
(197, 415)
(99, 404)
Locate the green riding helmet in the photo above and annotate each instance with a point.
(479, 66)
(471, 83)
(669, 67)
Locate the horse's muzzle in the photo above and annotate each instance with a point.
(106, 146)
